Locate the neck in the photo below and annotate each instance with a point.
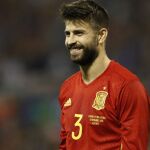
(91, 72)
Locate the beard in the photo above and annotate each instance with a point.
(87, 56)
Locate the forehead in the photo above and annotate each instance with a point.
(77, 25)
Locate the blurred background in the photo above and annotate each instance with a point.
(34, 62)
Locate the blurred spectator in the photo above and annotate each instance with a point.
(34, 62)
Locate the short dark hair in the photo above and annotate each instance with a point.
(86, 10)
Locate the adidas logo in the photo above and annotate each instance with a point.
(68, 103)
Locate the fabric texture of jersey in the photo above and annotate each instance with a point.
(110, 113)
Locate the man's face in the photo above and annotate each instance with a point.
(81, 41)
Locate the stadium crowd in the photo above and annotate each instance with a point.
(34, 62)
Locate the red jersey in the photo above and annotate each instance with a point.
(110, 113)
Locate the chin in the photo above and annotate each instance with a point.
(76, 58)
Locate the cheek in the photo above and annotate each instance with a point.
(65, 41)
(90, 40)
(91, 43)
(94, 41)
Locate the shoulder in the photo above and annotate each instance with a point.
(122, 73)
(128, 89)
(128, 84)
(70, 80)
(124, 82)
(67, 85)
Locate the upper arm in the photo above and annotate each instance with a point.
(134, 116)
(63, 134)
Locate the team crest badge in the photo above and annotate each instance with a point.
(99, 101)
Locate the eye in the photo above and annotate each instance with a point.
(67, 33)
(79, 33)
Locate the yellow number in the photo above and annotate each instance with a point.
(78, 124)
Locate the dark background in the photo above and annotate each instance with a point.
(34, 62)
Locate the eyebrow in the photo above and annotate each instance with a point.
(76, 30)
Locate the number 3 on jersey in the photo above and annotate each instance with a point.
(78, 124)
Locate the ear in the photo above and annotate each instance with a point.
(102, 35)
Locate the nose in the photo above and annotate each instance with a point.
(70, 40)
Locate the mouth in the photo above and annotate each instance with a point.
(76, 51)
